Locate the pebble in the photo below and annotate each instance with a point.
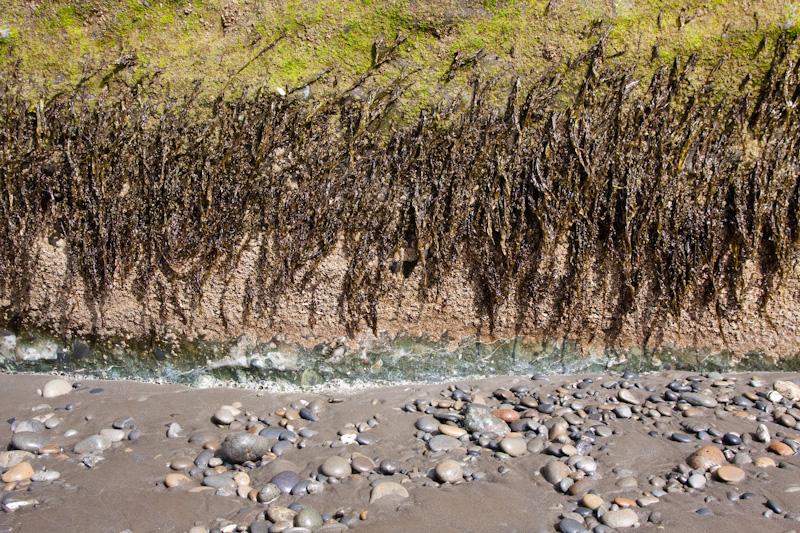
(336, 467)
(114, 435)
(478, 420)
(174, 480)
(449, 471)
(45, 475)
(699, 399)
(427, 423)
(781, 449)
(514, 446)
(14, 457)
(308, 518)
(506, 415)
(452, 431)
(224, 417)
(93, 444)
(788, 389)
(219, 482)
(762, 433)
(241, 447)
(706, 458)
(592, 501)
(555, 471)
(441, 443)
(620, 518)
(387, 489)
(19, 472)
(570, 525)
(730, 474)
(269, 493)
(696, 481)
(56, 387)
(764, 462)
(285, 481)
(28, 441)
(626, 396)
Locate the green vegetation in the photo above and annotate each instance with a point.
(58, 43)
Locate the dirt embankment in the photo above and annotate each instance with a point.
(310, 314)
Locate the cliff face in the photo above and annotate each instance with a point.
(310, 315)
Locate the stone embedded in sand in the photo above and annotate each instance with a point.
(114, 435)
(362, 463)
(56, 387)
(478, 420)
(18, 472)
(764, 462)
(277, 513)
(269, 493)
(620, 518)
(241, 447)
(219, 482)
(514, 446)
(706, 458)
(699, 399)
(781, 449)
(387, 489)
(442, 443)
(452, 431)
(762, 433)
(506, 415)
(286, 480)
(224, 417)
(308, 518)
(14, 457)
(788, 390)
(555, 471)
(336, 467)
(592, 501)
(28, 441)
(93, 444)
(730, 474)
(174, 480)
(449, 471)
(627, 396)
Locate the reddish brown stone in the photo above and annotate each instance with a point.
(506, 415)
(706, 458)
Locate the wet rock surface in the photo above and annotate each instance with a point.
(396, 458)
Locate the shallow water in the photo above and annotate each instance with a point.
(377, 361)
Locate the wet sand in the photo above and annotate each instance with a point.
(635, 458)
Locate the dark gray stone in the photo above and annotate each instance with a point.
(241, 447)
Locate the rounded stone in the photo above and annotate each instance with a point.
(241, 447)
(478, 420)
(56, 387)
(730, 474)
(19, 472)
(174, 480)
(514, 446)
(706, 458)
(224, 417)
(452, 431)
(592, 501)
(764, 462)
(114, 435)
(449, 471)
(269, 493)
(336, 467)
(93, 444)
(308, 518)
(555, 471)
(285, 480)
(506, 415)
(699, 399)
(442, 443)
(570, 525)
(13, 457)
(427, 423)
(781, 449)
(360, 463)
(29, 441)
(219, 482)
(627, 396)
(696, 481)
(387, 489)
(620, 518)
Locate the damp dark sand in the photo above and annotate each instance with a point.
(637, 459)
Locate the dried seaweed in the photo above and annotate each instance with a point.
(668, 190)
